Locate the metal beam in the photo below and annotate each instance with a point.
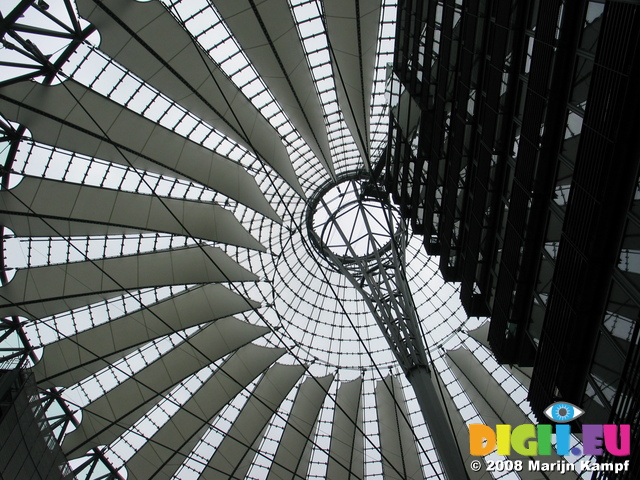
(380, 279)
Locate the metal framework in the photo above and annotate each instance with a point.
(27, 42)
(379, 275)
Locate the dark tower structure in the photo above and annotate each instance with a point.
(514, 150)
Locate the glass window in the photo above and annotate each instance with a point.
(591, 27)
(581, 82)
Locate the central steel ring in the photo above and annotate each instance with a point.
(352, 219)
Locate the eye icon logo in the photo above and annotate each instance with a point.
(563, 412)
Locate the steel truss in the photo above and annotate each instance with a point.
(380, 278)
(25, 44)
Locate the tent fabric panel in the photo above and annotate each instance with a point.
(492, 402)
(73, 358)
(232, 453)
(279, 57)
(346, 450)
(503, 406)
(169, 446)
(290, 455)
(48, 115)
(461, 433)
(116, 212)
(184, 73)
(352, 28)
(38, 292)
(481, 335)
(399, 452)
(107, 417)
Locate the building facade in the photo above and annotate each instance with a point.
(514, 150)
(28, 449)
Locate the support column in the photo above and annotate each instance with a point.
(366, 241)
(436, 418)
